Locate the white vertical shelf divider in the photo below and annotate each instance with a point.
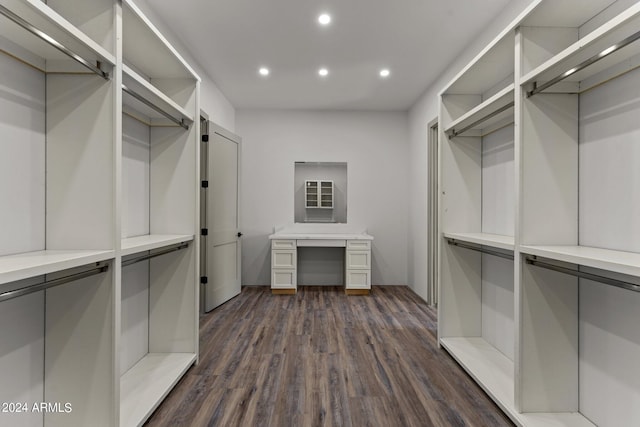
(571, 91)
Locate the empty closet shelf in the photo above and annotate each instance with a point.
(604, 259)
(486, 239)
(31, 264)
(495, 112)
(41, 35)
(46, 284)
(145, 385)
(588, 59)
(133, 245)
(140, 96)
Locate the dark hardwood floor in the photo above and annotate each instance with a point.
(323, 358)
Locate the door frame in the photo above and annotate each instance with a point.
(432, 211)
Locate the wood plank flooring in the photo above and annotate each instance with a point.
(322, 358)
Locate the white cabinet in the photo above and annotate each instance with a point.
(93, 139)
(537, 279)
(357, 254)
(358, 265)
(318, 194)
(284, 265)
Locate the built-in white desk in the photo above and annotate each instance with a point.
(284, 254)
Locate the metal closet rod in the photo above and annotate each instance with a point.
(145, 257)
(595, 58)
(482, 249)
(455, 133)
(180, 122)
(584, 275)
(51, 283)
(53, 42)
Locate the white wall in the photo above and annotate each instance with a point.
(423, 111)
(375, 146)
(212, 100)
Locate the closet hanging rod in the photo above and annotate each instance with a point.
(145, 101)
(53, 42)
(145, 257)
(51, 283)
(584, 275)
(482, 249)
(595, 58)
(455, 133)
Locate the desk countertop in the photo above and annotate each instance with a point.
(321, 232)
(319, 236)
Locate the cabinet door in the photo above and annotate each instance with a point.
(326, 194)
(311, 194)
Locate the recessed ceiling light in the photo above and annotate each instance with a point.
(324, 19)
(385, 72)
(323, 72)
(264, 71)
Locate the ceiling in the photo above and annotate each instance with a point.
(415, 39)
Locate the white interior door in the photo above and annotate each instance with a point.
(222, 242)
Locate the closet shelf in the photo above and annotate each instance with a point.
(41, 54)
(147, 383)
(492, 66)
(604, 259)
(135, 87)
(493, 371)
(133, 245)
(486, 239)
(147, 49)
(497, 110)
(598, 42)
(31, 264)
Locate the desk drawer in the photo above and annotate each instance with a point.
(358, 260)
(359, 245)
(283, 244)
(283, 278)
(283, 259)
(322, 243)
(358, 279)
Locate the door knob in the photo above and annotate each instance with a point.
(239, 234)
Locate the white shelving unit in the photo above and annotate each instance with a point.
(57, 175)
(100, 128)
(160, 182)
(477, 303)
(575, 236)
